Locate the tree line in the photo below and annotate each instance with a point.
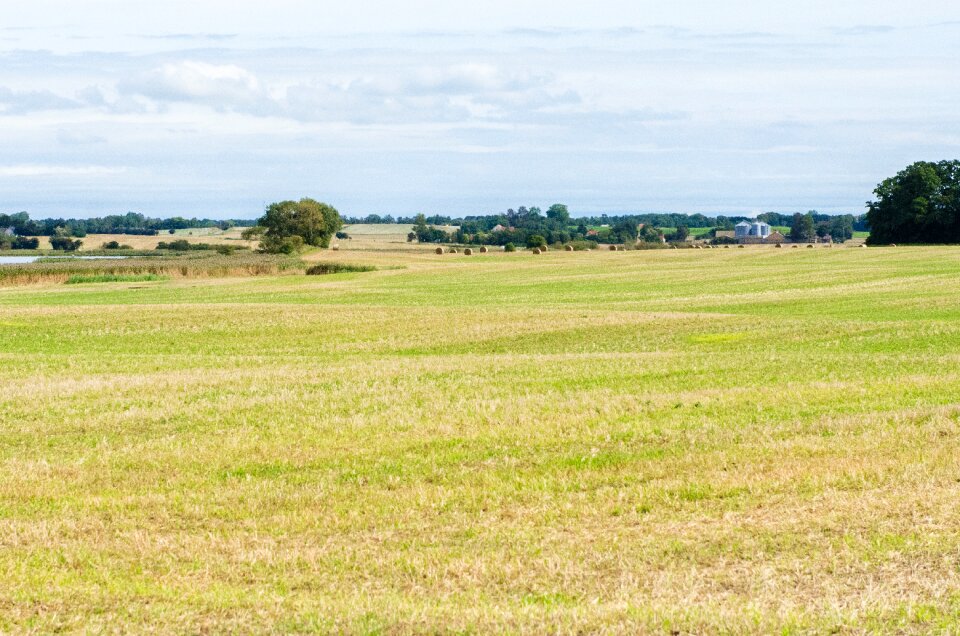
(131, 223)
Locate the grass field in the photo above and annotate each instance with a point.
(712, 441)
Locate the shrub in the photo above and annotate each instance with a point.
(65, 244)
(535, 240)
(509, 247)
(321, 269)
(286, 245)
(114, 245)
(25, 243)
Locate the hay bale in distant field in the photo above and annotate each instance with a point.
(335, 248)
(809, 247)
(613, 248)
(893, 245)
(439, 250)
(568, 248)
(536, 250)
(863, 246)
(453, 250)
(484, 250)
(778, 246)
(726, 247)
(743, 247)
(468, 252)
(795, 246)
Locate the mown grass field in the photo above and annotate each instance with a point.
(693, 441)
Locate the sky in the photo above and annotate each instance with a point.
(216, 108)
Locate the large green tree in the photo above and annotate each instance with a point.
(289, 225)
(921, 204)
(803, 229)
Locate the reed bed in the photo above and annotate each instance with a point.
(201, 265)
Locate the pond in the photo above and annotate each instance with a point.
(22, 260)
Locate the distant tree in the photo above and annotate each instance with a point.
(681, 234)
(429, 234)
(647, 234)
(559, 214)
(291, 225)
(535, 240)
(803, 230)
(411, 237)
(921, 204)
(509, 247)
(841, 228)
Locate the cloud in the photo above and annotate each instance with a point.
(44, 170)
(187, 37)
(223, 86)
(23, 102)
(866, 29)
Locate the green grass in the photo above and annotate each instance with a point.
(702, 441)
(114, 278)
(320, 269)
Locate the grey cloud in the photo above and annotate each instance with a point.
(75, 138)
(22, 102)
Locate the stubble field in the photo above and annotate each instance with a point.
(683, 441)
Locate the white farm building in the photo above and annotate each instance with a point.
(755, 230)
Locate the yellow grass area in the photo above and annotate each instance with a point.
(759, 441)
(380, 237)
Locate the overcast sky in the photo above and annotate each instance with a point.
(171, 108)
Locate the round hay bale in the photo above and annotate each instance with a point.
(743, 247)
(568, 248)
(468, 252)
(795, 246)
(335, 248)
(863, 246)
(778, 246)
(726, 247)
(439, 250)
(484, 250)
(893, 245)
(809, 247)
(536, 250)
(453, 250)
(613, 248)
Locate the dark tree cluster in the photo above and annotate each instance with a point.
(921, 204)
(131, 223)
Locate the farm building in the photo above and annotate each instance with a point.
(756, 230)
(775, 237)
(725, 234)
